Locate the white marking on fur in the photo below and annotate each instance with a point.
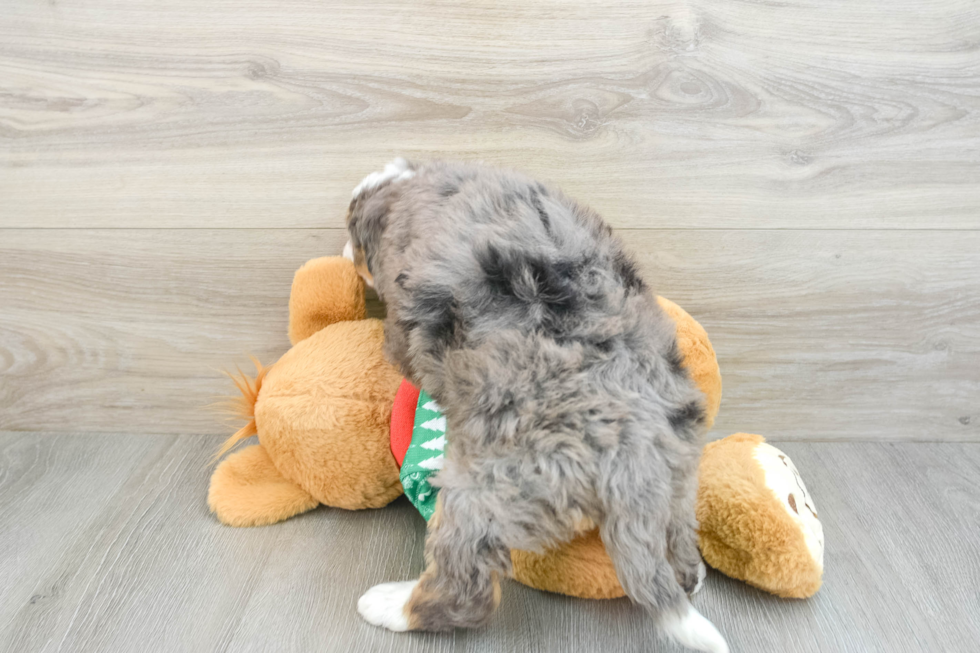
(397, 170)
(702, 572)
(349, 251)
(694, 631)
(384, 605)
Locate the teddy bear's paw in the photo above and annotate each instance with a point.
(397, 170)
(384, 605)
(692, 630)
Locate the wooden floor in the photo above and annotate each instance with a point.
(107, 545)
(803, 177)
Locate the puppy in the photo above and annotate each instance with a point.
(566, 399)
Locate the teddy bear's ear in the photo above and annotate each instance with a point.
(325, 291)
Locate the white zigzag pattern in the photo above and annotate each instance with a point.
(433, 463)
(433, 406)
(436, 443)
(437, 424)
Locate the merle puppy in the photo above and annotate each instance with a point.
(562, 384)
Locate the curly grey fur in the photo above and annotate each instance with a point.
(520, 312)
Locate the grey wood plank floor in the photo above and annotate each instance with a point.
(107, 545)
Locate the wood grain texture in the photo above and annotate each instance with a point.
(803, 177)
(838, 114)
(827, 335)
(107, 546)
(135, 327)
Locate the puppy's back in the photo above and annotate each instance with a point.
(461, 253)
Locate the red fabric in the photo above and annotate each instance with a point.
(403, 419)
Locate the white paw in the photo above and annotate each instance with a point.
(702, 572)
(349, 251)
(694, 631)
(397, 170)
(384, 605)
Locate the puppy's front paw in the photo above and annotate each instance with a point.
(384, 605)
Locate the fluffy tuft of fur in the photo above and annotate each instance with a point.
(692, 630)
(243, 405)
(384, 605)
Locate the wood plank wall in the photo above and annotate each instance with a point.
(803, 177)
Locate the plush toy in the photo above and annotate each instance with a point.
(334, 422)
(757, 521)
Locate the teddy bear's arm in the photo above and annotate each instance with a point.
(247, 490)
(325, 291)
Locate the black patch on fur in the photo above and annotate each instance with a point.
(529, 278)
(566, 270)
(448, 190)
(497, 272)
(553, 284)
(687, 416)
(401, 279)
(676, 360)
(626, 270)
(605, 346)
(434, 310)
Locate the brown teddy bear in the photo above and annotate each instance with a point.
(323, 417)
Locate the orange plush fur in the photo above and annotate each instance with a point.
(321, 413)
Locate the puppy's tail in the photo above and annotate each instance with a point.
(244, 406)
(692, 630)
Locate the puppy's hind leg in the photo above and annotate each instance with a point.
(460, 586)
(636, 501)
(682, 531)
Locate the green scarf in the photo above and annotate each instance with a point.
(425, 455)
